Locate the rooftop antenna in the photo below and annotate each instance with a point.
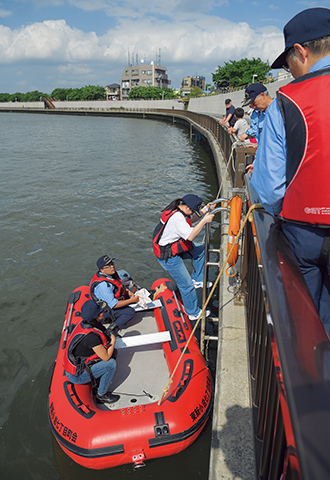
(128, 58)
(137, 59)
(158, 58)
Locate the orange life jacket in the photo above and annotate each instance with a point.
(119, 289)
(175, 248)
(76, 365)
(307, 196)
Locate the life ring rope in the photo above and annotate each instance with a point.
(248, 216)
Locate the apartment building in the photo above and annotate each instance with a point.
(189, 82)
(142, 75)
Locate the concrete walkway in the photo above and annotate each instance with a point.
(232, 443)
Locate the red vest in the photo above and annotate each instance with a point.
(303, 103)
(119, 290)
(175, 248)
(76, 365)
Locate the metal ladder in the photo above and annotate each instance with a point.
(207, 263)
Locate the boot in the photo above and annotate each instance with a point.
(107, 398)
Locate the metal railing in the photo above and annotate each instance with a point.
(288, 347)
(289, 358)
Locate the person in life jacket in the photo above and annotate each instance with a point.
(107, 286)
(292, 168)
(173, 243)
(89, 352)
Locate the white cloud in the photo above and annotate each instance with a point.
(190, 45)
(52, 41)
(212, 39)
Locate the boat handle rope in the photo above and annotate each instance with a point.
(248, 216)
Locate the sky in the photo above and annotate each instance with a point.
(48, 44)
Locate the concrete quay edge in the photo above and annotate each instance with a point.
(232, 455)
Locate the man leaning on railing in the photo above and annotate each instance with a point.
(292, 168)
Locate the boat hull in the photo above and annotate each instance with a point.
(144, 427)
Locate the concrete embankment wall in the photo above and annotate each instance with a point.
(100, 105)
(129, 104)
(21, 105)
(215, 104)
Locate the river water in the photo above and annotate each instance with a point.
(73, 189)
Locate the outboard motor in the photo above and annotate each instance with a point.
(127, 281)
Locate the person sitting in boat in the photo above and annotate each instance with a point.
(89, 353)
(173, 243)
(107, 286)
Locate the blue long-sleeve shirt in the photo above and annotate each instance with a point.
(269, 173)
(256, 124)
(105, 291)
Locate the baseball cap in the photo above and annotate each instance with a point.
(90, 310)
(103, 261)
(192, 201)
(252, 91)
(307, 25)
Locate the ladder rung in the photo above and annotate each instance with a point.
(214, 250)
(213, 264)
(209, 337)
(213, 319)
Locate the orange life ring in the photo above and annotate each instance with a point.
(234, 225)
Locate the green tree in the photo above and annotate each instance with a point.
(34, 96)
(5, 97)
(59, 94)
(16, 97)
(195, 92)
(89, 92)
(155, 93)
(240, 73)
(92, 92)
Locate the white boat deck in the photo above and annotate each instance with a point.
(142, 371)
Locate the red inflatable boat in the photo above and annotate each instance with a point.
(140, 425)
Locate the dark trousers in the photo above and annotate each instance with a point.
(123, 315)
(306, 242)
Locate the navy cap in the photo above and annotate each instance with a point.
(227, 101)
(251, 92)
(192, 201)
(103, 261)
(307, 25)
(90, 310)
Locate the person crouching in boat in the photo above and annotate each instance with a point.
(89, 354)
(107, 286)
(173, 243)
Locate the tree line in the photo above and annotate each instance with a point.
(89, 92)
